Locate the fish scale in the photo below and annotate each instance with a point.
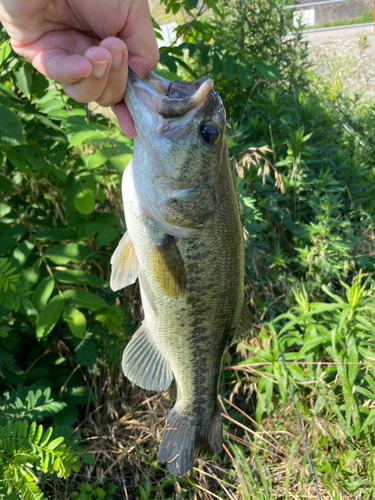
(185, 244)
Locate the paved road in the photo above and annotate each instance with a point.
(344, 34)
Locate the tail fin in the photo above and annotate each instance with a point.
(186, 438)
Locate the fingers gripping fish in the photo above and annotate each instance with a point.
(184, 243)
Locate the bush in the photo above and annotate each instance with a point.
(60, 215)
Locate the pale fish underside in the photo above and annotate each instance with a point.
(184, 243)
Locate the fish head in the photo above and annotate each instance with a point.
(179, 149)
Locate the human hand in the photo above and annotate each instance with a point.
(85, 45)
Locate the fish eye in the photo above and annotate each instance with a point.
(209, 133)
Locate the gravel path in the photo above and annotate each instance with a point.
(342, 59)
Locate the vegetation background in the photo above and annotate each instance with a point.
(302, 150)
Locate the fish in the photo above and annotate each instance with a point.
(184, 243)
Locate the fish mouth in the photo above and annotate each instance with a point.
(170, 99)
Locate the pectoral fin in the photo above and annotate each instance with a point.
(168, 268)
(245, 326)
(125, 267)
(143, 363)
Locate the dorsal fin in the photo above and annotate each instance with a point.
(125, 267)
(168, 268)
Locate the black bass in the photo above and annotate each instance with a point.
(184, 242)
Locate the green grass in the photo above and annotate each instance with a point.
(366, 16)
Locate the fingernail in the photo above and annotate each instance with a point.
(99, 68)
(117, 55)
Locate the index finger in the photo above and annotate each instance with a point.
(139, 37)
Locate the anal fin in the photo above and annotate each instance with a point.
(144, 365)
(245, 326)
(125, 267)
(168, 267)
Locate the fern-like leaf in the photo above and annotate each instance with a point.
(27, 404)
(26, 450)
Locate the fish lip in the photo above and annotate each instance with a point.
(158, 89)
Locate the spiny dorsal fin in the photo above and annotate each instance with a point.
(125, 267)
(168, 268)
(144, 365)
(245, 326)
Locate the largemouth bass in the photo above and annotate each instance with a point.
(184, 243)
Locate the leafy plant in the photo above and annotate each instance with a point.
(28, 449)
(94, 492)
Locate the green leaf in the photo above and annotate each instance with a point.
(83, 135)
(21, 254)
(352, 358)
(32, 430)
(369, 420)
(11, 237)
(88, 458)
(75, 277)
(267, 70)
(244, 74)
(216, 61)
(11, 133)
(5, 185)
(120, 161)
(37, 435)
(42, 293)
(17, 160)
(60, 234)
(8, 91)
(337, 298)
(310, 344)
(230, 67)
(23, 78)
(49, 317)
(84, 201)
(211, 4)
(55, 443)
(86, 354)
(46, 436)
(320, 308)
(38, 86)
(192, 4)
(366, 323)
(107, 235)
(75, 320)
(71, 252)
(84, 299)
(29, 276)
(4, 210)
(205, 54)
(286, 118)
(97, 159)
(5, 50)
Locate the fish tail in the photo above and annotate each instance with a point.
(187, 438)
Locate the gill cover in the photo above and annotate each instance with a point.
(171, 148)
